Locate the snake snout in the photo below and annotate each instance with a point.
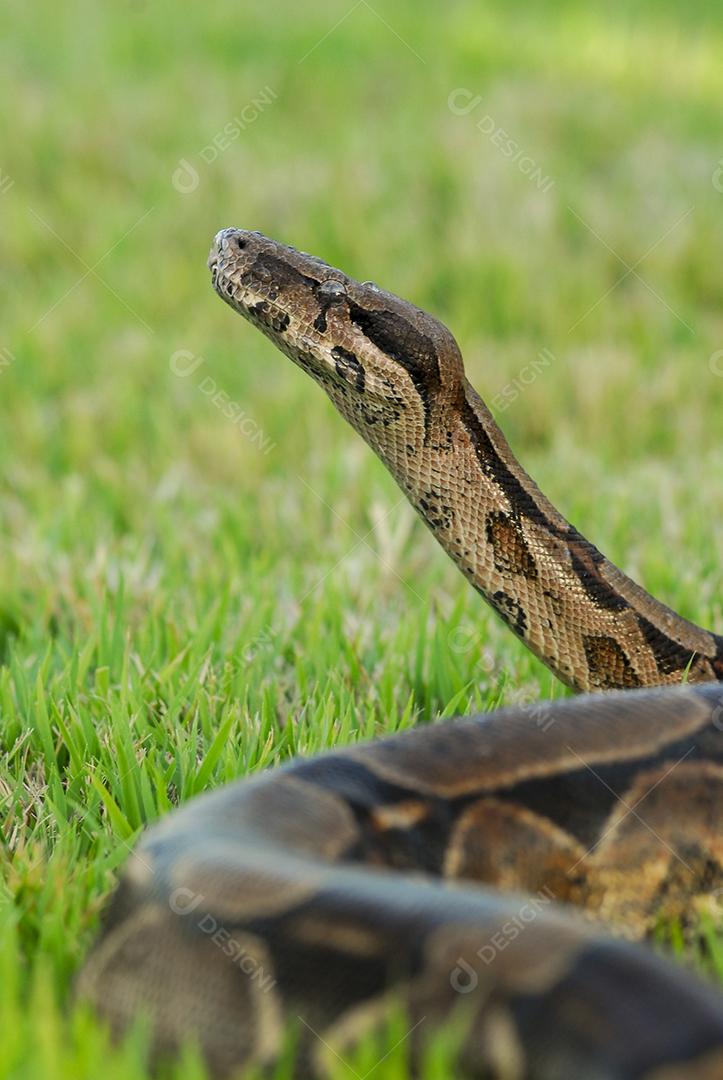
(233, 240)
(220, 243)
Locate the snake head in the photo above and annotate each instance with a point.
(382, 361)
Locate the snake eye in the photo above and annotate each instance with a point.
(331, 290)
(241, 243)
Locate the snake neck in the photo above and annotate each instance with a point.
(396, 374)
(588, 622)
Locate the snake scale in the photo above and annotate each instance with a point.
(421, 869)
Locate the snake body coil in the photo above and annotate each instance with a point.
(319, 893)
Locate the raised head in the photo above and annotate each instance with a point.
(387, 366)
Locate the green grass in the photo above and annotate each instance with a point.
(179, 607)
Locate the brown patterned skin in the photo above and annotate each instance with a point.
(396, 374)
(315, 894)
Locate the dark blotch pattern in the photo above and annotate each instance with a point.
(349, 367)
(580, 805)
(268, 268)
(586, 559)
(435, 510)
(608, 664)
(511, 611)
(670, 656)
(401, 341)
(509, 547)
(270, 317)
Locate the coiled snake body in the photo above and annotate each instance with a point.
(308, 894)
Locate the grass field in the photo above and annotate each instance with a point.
(186, 599)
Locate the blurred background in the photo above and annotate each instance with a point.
(192, 541)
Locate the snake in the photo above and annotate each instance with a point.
(499, 876)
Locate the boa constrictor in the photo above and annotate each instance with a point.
(320, 893)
